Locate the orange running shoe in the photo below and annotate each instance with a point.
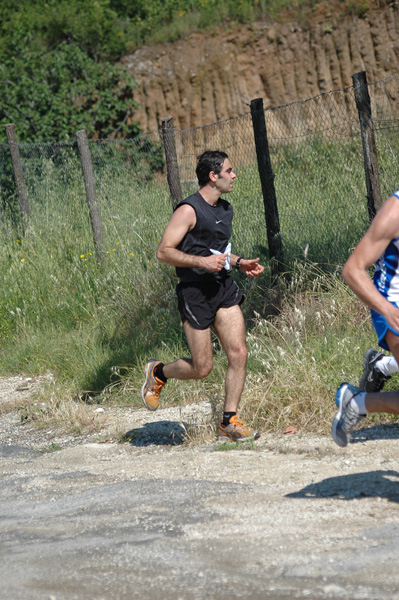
(236, 431)
(152, 386)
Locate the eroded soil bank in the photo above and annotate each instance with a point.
(213, 76)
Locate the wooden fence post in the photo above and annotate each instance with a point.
(18, 175)
(267, 182)
(91, 196)
(363, 105)
(172, 166)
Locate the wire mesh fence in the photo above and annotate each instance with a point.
(316, 156)
(316, 152)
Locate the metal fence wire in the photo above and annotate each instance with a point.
(316, 157)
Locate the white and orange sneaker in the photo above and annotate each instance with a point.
(152, 386)
(236, 431)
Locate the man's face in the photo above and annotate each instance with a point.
(225, 179)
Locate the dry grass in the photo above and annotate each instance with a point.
(69, 415)
(297, 359)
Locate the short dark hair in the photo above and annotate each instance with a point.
(210, 160)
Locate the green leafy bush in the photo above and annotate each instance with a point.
(107, 29)
(54, 94)
(94, 26)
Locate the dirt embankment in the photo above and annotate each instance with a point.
(213, 76)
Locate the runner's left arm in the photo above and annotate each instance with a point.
(249, 266)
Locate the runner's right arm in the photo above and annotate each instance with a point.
(181, 222)
(383, 229)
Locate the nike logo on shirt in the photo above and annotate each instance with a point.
(217, 222)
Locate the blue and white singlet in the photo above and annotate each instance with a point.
(386, 274)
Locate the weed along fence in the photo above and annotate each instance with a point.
(311, 174)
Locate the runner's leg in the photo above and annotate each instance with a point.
(230, 329)
(201, 362)
(386, 402)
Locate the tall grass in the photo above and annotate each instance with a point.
(93, 327)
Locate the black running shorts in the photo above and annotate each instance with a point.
(198, 302)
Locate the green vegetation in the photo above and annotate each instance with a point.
(58, 68)
(51, 96)
(94, 327)
(106, 29)
(54, 76)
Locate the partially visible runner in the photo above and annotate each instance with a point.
(381, 244)
(196, 242)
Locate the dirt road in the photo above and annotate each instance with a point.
(297, 517)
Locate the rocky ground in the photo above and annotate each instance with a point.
(151, 518)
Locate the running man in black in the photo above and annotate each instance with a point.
(196, 242)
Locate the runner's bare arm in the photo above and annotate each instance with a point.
(383, 229)
(249, 266)
(181, 222)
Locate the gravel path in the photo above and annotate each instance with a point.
(297, 517)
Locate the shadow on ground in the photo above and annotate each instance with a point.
(160, 433)
(376, 432)
(382, 484)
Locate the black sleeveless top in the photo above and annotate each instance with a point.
(212, 229)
